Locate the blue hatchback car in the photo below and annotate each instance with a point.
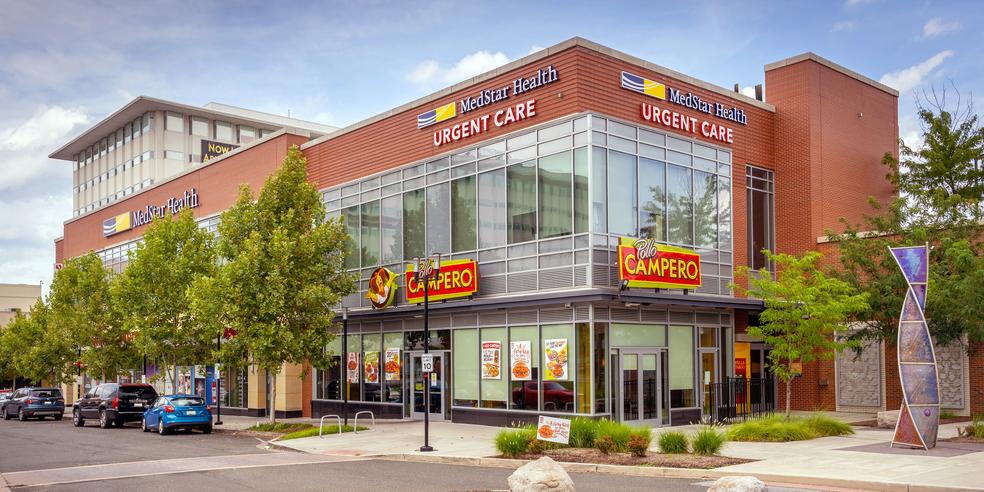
(170, 412)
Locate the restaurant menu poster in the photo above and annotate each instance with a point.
(492, 360)
(392, 367)
(352, 367)
(520, 360)
(553, 429)
(371, 365)
(555, 353)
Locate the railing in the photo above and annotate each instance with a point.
(321, 424)
(355, 426)
(738, 399)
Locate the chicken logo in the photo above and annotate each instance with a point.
(382, 288)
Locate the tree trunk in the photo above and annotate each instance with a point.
(272, 381)
(789, 389)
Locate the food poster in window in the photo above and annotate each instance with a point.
(520, 360)
(492, 360)
(555, 352)
(392, 365)
(352, 367)
(371, 367)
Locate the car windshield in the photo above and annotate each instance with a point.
(145, 392)
(46, 393)
(187, 401)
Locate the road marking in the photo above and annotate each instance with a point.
(133, 469)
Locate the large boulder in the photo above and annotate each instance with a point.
(887, 419)
(738, 484)
(542, 475)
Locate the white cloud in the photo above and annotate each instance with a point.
(936, 27)
(430, 71)
(24, 148)
(748, 91)
(909, 78)
(855, 3)
(848, 25)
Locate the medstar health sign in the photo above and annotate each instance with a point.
(647, 264)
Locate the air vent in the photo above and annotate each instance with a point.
(492, 319)
(650, 316)
(556, 315)
(679, 317)
(582, 313)
(488, 286)
(521, 282)
(623, 314)
(581, 276)
(708, 319)
(556, 278)
(522, 317)
(464, 320)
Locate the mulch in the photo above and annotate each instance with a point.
(593, 456)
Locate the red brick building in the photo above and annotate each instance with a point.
(527, 179)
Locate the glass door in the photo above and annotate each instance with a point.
(709, 382)
(418, 380)
(640, 375)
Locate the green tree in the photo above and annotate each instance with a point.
(38, 350)
(804, 310)
(940, 188)
(282, 270)
(154, 292)
(84, 312)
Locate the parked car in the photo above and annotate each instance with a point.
(113, 403)
(38, 403)
(172, 412)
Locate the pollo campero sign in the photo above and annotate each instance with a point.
(458, 278)
(647, 264)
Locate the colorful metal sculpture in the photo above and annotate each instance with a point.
(919, 418)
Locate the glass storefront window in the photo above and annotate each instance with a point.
(622, 187)
(492, 209)
(393, 381)
(463, 200)
(526, 394)
(413, 224)
(636, 335)
(652, 199)
(329, 380)
(558, 384)
(681, 354)
(371, 367)
(351, 219)
(582, 364)
(370, 233)
(391, 229)
(466, 368)
(599, 189)
(521, 201)
(580, 190)
(705, 209)
(495, 389)
(724, 213)
(353, 376)
(439, 219)
(680, 224)
(555, 195)
(600, 367)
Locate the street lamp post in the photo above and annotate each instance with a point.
(427, 268)
(218, 384)
(344, 361)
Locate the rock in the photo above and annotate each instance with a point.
(738, 484)
(541, 475)
(887, 419)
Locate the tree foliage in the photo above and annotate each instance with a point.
(940, 186)
(37, 349)
(804, 310)
(282, 271)
(153, 294)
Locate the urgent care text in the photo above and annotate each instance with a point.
(689, 124)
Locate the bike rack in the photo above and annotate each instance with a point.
(355, 429)
(321, 424)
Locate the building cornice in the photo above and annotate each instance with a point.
(809, 55)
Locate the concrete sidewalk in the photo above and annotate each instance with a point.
(404, 438)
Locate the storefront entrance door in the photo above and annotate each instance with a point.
(710, 389)
(417, 381)
(641, 373)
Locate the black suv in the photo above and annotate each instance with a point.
(26, 403)
(113, 403)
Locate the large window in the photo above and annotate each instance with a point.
(622, 210)
(199, 127)
(521, 201)
(438, 219)
(652, 199)
(463, 201)
(391, 229)
(581, 190)
(370, 233)
(761, 216)
(413, 224)
(223, 131)
(705, 209)
(174, 122)
(492, 209)
(351, 218)
(680, 224)
(556, 195)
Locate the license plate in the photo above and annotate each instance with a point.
(138, 405)
(191, 412)
(47, 403)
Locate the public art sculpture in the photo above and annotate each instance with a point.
(919, 418)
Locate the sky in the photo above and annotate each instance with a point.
(65, 65)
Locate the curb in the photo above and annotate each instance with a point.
(683, 473)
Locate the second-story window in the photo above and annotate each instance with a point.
(759, 185)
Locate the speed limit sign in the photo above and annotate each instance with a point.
(427, 363)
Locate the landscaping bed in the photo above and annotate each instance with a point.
(285, 431)
(776, 428)
(594, 456)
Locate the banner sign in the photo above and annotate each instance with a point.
(211, 150)
(392, 366)
(520, 361)
(458, 278)
(382, 288)
(129, 220)
(352, 367)
(553, 429)
(645, 263)
(555, 351)
(492, 360)
(371, 367)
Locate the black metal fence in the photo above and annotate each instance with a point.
(737, 399)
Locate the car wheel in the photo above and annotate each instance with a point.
(104, 421)
(77, 417)
(161, 429)
(59, 417)
(207, 430)
(21, 415)
(4, 412)
(143, 424)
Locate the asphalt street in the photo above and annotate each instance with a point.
(60, 457)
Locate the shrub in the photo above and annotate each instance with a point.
(639, 445)
(976, 427)
(824, 426)
(282, 427)
(618, 432)
(605, 444)
(708, 441)
(775, 428)
(673, 442)
(583, 432)
(514, 442)
(313, 431)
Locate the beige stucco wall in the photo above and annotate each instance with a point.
(17, 297)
